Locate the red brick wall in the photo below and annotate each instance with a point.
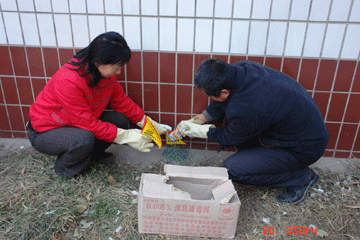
(163, 87)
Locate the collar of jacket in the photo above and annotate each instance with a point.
(240, 74)
(239, 83)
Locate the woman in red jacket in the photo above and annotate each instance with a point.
(68, 117)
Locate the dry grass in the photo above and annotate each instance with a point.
(36, 204)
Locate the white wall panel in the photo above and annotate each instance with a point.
(352, 44)
(203, 35)
(113, 6)
(295, 39)
(320, 10)
(314, 39)
(239, 37)
(204, 8)
(114, 24)
(300, 9)
(132, 32)
(77, 6)
(63, 30)
(167, 7)
(149, 7)
(221, 36)
(60, 6)
(25, 5)
(43, 5)
(167, 34)
(178, 33)
(2, 33)
(185, 35)
(8, 5)
(280, 9)
(275, 44)
(150, 32)
(131, 7)
(261, 9)
(355, 11)
(186, 8)
(242, 8)
(95, 6)
(223, 8)
(340, 10)
(257, 38)
(80, 31)
(97, 26)
(13, 29)
(31, 34)
(46, 28)
(333, 40)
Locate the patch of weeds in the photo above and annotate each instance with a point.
(36, 204)
(44, 225)
(103, 209)
(176, 155)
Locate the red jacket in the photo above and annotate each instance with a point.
(67, 100)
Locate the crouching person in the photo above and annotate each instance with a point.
(68, 118)
(272, 120)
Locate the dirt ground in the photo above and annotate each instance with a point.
(100, 204)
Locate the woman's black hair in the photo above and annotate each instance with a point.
(214, 75)
(107, 48)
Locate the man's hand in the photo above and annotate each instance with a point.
(159, 128)
(134, 138)
(195, 130)
(199, 119)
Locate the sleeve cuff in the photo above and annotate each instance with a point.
(207, 116)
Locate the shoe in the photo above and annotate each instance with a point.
(298, 195)
(104, 155)
(100, 156)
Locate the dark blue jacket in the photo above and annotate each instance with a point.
(271, 106)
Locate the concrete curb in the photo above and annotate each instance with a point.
(124, 154)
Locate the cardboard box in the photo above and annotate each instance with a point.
(188, 201)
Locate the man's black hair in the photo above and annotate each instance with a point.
(107, 48)
(214, 75)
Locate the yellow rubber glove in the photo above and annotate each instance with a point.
(134, 138)
(159, 128)
(195, 130)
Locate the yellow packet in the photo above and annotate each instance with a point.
(150, 131)
(174, 137)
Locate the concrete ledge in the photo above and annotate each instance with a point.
(126, 154)
(338, 165)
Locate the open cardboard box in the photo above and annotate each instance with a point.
(188, 201)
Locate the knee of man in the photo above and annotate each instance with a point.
(235, 172)
(229, 163)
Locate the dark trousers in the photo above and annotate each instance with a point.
(255, 164)
(75, 147)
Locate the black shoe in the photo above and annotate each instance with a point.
(104, 155)
(97, 157)
(299, 195)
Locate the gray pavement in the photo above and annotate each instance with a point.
(126, 154)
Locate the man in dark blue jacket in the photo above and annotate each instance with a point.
(272, 120)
